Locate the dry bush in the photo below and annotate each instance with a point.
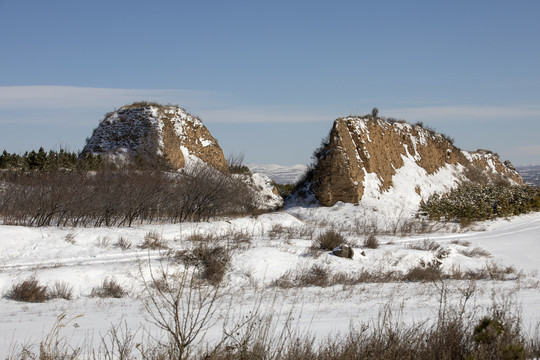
(61, 290)
(109, 288)
(476, 174)
(70, 238)
(371, 242)
(123, 243)
(120, 196)
(153, 241)
(493, 271)
(425, 245)
(316, 275)
(329, 240)
(423, 273)
(103, 241)
(474, 252)
(211, 259)
(199, 237)
(277, 231)
(184, 308)
(29, 290)
(461, 243)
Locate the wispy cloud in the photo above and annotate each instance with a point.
(460, 112)
(67, 97)
(62, 102)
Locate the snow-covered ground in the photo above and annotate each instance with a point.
(279, 245)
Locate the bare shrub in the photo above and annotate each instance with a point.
(212, 260)
(371, 242)
(236, 164)
(316, 275)
(476, 174)
(123, 243)
(199, 237)
(425, 245)
(120, 342)
(277, 231)
(494, 271)
(70, 238)
(184, 309)
(103, 241)
(29, 290)
(118, 196)
(153, 241)
(329, 240)
(425, 271)
(474, 252)
(109, 288)
(314, 250)
(461, 243)
(61, 290)
(237, 239)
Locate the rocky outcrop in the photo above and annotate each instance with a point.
(363, 150)
(344, 251)
(151, 131)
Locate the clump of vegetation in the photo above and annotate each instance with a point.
(119, 197)
(61, 290)
(472, 202)
(211, 259)
(329, 240)
(284, 190)
(371, 242)
(29, 290)
(153, 241)
(109, 288)
(48, 161)
(236, 164)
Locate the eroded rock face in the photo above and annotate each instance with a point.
(369, 147)
(152, 129)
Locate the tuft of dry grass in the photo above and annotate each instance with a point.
(329, 240)
(123, 243)
(70, 238)
(61, 290)
(29, 290)
(212, 259)
(371, 242)
(425, 245)
(153, 241)
(109, 288)
(474, 252)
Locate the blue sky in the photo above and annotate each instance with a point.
(268, 78)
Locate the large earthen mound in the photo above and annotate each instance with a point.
(150, 130)
(364, 150)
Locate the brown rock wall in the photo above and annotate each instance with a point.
(360, 145)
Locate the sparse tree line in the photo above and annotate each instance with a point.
(119, 197)
(47, 161)
(474, 202)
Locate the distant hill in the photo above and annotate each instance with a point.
(530, 174)
(280, 174)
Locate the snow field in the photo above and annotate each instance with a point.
(280, 244)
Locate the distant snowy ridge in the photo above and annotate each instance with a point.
(279, 173)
